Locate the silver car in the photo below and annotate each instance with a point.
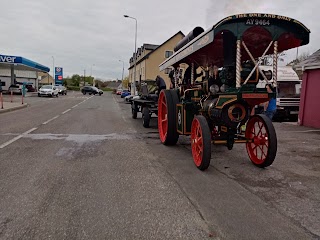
(48, 90)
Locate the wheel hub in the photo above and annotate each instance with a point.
(260, 140)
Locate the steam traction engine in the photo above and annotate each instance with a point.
(217, 109)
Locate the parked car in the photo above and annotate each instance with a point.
(30, 88)
(48, 90)
(125, 93)
(91, 90)
(15, 89)
(62, 90)
(119, 91)
(129, 98)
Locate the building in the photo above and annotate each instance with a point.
(45, 78)
(309, 114)
(149, 57)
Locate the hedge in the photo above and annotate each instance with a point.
(74, 88)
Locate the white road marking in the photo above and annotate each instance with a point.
(66, 111)
(32, 129)
(17, 138)
(81, 102)
(50, 119)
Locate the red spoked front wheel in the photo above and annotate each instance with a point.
(167, 128)
(262, 149)
(201, 142)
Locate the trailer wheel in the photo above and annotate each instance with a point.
(263, 148)
(167, 118)
(134, 111)
(201, 142)
(146, 117)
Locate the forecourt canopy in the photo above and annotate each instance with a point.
(21, 63)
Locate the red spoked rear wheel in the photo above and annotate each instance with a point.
(263, 148)
(167, 117)
(201, 142)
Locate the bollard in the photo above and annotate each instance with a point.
(11, 100)
(22, 97)
(1, 99)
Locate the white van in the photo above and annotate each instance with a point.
(288, 92)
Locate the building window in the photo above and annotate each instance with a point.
(167, 70)
(168, 54)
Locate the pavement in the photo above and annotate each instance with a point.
(79, 167)
(15, 102)
(9, 106)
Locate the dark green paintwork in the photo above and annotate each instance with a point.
(180, 118)
(238, 24)
(184, 121)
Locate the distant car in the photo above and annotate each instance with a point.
(119, 91)
(91, 90)
(15, 89)
(125, 93)
(48, 90)
(62, 90)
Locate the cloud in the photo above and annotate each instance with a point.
(80, 33)
(300, 10)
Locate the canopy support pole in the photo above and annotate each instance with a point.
(192, 73)
(257, 64)
(238, 64)
(275, 63)
(12, 74)
(254, 61)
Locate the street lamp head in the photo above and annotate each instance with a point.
(126, 16)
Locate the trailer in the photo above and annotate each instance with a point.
(147, 104)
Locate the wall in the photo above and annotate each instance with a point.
(21, 76)
(139, 65)
(157, 57)
(309, 114)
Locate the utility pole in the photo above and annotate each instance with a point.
(93, 82)
(53, 76)
(84, 77)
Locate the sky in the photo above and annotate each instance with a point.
(93, 36)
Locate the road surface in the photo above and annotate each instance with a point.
(78, 167)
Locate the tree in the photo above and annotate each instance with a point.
(75, 80)
(125, 82)
(299, 59)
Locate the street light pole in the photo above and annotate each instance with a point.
(135, 54)
(122, 71)
(53, 77)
